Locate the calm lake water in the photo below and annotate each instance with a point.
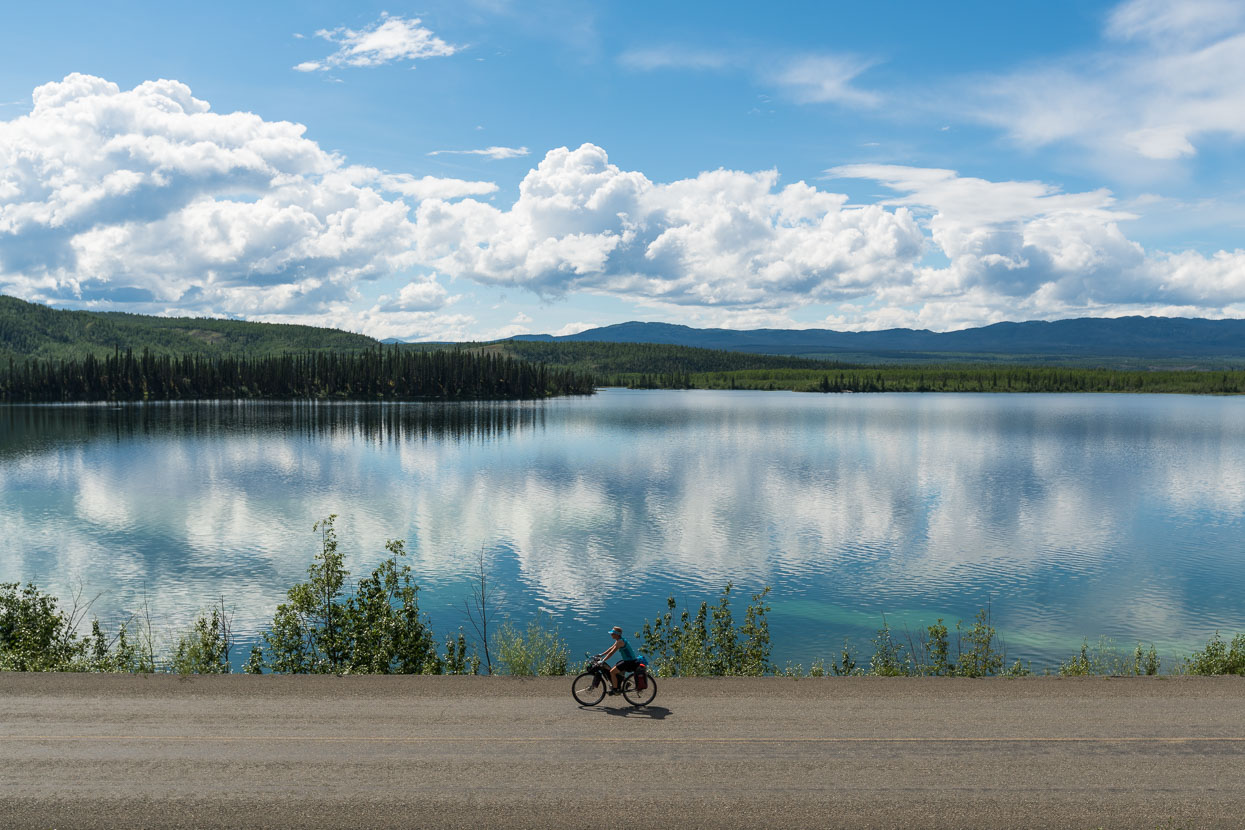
(1070, 515)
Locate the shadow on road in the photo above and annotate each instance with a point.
(649, 712)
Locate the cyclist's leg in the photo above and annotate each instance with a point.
(621, 669)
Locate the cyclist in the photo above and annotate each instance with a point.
(629, 662)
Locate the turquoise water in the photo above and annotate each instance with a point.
(1069, 515)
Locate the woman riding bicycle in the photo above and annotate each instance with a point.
(629, 661)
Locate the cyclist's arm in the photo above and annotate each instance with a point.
(605, 655)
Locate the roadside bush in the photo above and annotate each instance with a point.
(34, 634)
(204, 647)
(456, 660)
(937, 648)
(538, 651)
(1146, 661)
(708, 643)
(977, 656)
(846, 666)
(1018, 669)
(928, 653)
(37, 635)
(1218, 657)
(888, 658)
(1081, 664)
(376, 630)
(1105, 659)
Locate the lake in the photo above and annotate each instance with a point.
(1070, 516)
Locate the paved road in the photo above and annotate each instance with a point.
(97, 751)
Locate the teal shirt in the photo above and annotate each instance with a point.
(624, 650)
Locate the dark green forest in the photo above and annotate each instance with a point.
(381, 373)
(947, 378)
(48, 355)
(613, 360)
(650, 366)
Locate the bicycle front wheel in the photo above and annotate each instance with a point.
(640, 697)
(588, 689)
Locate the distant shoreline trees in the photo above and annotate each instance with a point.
(383, 373)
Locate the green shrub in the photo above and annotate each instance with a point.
(1105, 659)
(204, 647)
(37, 635)
(888, 656)
(846, 666)
(539, 651)
(255, 662)
(977, 655)
(1078, 665)
(680, 644)
(34, 634)
(384, 624)
(376, 630)
(1018, 669)
(456, 660)
(1218, 657)
(938, 651)
(1146, 661)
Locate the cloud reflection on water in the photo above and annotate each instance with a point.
(1072, 515)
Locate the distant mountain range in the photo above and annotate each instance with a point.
(1163, 338)
(33, 330)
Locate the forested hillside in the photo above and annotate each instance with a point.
(32, 330)
(611, 359)
(51, 355)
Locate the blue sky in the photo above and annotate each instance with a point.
(481, 168)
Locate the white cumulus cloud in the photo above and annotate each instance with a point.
(388, 40)
(422, 295)
(148, 200)
(1026, 250)
(724, 238)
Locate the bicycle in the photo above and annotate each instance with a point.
(639, 687)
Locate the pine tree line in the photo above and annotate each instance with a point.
(606, 359)
(947, 378)
(375, 374)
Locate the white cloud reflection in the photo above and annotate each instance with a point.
(1080, 513)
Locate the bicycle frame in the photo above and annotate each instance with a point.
(600, 672)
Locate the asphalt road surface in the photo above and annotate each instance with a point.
(158, 751)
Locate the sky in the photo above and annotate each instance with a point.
(476, 169)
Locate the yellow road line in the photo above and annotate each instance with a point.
(379, 739)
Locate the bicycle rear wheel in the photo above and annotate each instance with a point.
(640, 697)
(588, 689)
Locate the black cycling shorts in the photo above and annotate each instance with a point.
(627, 665)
